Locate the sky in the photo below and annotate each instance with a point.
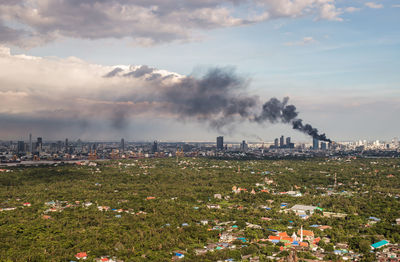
(190, 70)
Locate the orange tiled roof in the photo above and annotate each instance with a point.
(306, 233)
(283, 234)
(274, 238)
(317, 240)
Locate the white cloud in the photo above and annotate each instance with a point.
(146, 22)
(374, 5)
(351, 9)
(61, 88)
(305, 41)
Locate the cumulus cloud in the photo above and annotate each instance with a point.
(146, 22)
(351, 9)
(374, 5)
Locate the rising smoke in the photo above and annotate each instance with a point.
(219, 98)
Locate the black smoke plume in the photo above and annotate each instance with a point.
(219, 98)
(279, 111)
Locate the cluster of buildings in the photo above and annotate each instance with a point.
(39, 149)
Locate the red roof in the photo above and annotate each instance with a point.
(81, 255)
(274, 238)
(317, 240)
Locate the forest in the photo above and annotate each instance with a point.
(159, 209)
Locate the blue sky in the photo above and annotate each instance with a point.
(341, 71)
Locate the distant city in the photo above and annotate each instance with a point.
(32, 150)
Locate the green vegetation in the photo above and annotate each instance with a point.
(152, 228)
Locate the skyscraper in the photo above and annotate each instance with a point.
(288, 141)
(323, 146)
(30, 143)
(21, 147)
(243, 146)
(155, 147)
(122, 145)
(66, 145)
(282, 142)
(315, 144)
(276, 143)
(39, 144)
(220, 143)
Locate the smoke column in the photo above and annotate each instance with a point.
(219, 98)
(279, 111)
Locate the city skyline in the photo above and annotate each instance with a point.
(336, 61)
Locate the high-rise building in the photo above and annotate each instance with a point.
(122, 145)
(276, 143)
(66, 146)
(59, 145)
(39, 144)
(220, 143)
(155, 147)
(21, 147)
(282, 142)
(243, 146)
(288, 141)
(323, 146)
(315, 143)
(30, 144)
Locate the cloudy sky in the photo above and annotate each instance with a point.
(189, 70)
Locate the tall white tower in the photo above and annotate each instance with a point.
(301, 234)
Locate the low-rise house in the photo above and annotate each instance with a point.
(218, 196)
(322, 228)
(303, 209)
(81, 255)
(204, 222)
(380, 244)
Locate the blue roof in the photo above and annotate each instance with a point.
(272, 230)
(374, 218)
(380, 244)
(314, 226)
(295, 243)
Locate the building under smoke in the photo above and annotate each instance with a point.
(315, 144)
